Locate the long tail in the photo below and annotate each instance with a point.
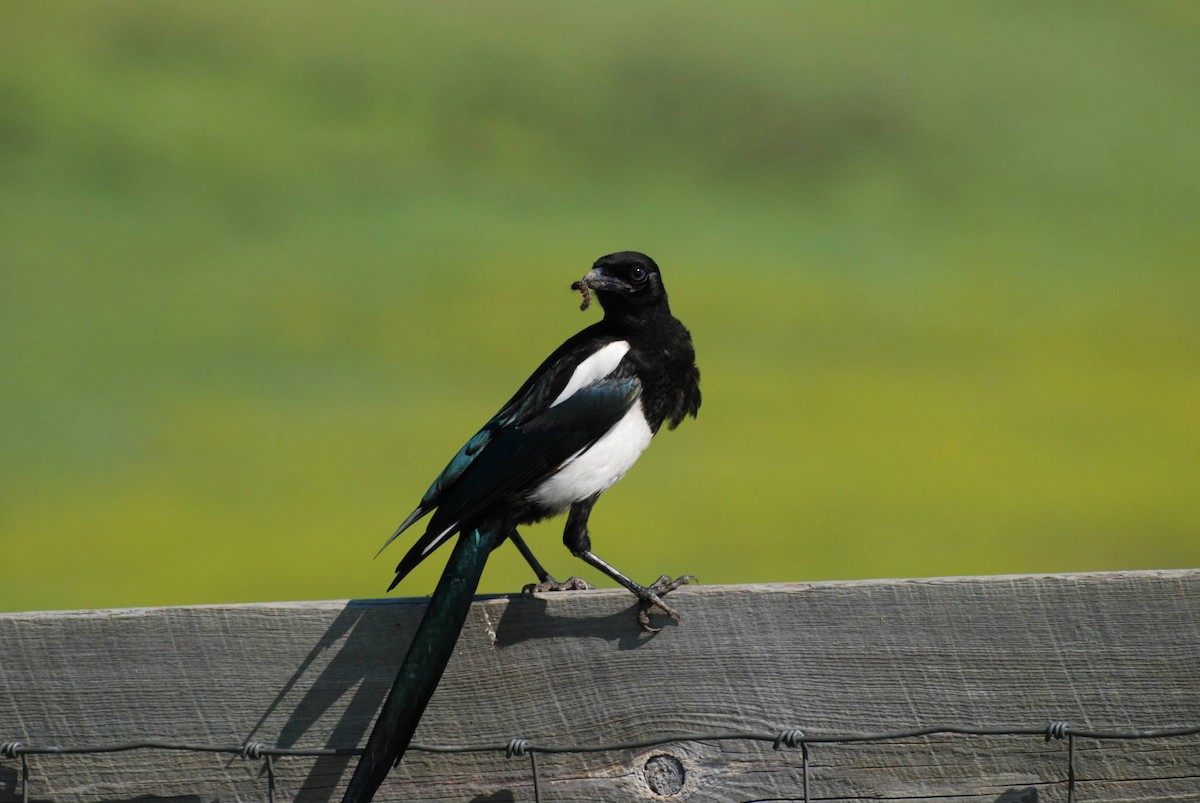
(427, 657)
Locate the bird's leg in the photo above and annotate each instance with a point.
(546, 582)
(530, 558)
(576, 538)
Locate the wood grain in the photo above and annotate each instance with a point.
(1118, 650)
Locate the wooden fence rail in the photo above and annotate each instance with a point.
(1113, 654)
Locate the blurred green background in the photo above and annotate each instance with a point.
(264, 267)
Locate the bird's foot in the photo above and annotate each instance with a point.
(652, 598)
(550, 584)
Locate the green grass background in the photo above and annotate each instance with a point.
(264, 266)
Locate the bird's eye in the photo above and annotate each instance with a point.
(637, 274)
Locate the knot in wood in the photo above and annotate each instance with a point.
(665, 775)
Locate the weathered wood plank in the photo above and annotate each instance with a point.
(1113, 651)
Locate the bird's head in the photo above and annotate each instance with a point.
(624, 282)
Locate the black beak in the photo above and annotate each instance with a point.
(596, 279)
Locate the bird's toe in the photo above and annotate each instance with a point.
(550, 584)
(665, 585)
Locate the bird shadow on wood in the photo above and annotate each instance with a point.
(10, 785)
(527, 617)
(1027, 795)
(348, 655)
(357, 657)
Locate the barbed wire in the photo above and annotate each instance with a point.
(519, 747)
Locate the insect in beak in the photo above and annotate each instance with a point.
(584, 291)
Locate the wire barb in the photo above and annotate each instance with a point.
(793, 737)
(517, 748)
(1058, 729)
(254, 751)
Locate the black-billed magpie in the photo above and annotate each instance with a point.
(573, 429)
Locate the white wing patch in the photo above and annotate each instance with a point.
(435, 543)
(596, 469)
(593, 369)
(618, 448)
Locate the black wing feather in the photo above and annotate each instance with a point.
(533, 397)
(521, 456)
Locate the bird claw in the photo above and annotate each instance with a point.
(665, 585)
(550, 584)
(653, 599)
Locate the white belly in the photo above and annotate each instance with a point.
(598, 468)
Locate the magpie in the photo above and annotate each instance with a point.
(571, 431)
